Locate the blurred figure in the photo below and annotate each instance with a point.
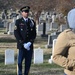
(64, 51)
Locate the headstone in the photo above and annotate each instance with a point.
(4, 14)
(38, 56)
(44, 30)
(5, 23)
(1, 23)
(53, 18)
(53, 26)
(54, 33)
(47, 27)
(49, 19)
(50, 60)
(40, 19)
(7, 27)
(11, 28)
(14, 19)
(19, 16)
(50, 40)
(13, 14)
(63, 27)
(49, 43)
(9, 56)
(39, 29)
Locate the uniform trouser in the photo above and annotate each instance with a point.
(27, 55)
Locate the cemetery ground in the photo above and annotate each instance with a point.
(8, 42)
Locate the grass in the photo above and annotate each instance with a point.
(8, 42)
(40, 68)
(2, 30)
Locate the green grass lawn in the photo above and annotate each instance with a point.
(36, 69)
(8, 42)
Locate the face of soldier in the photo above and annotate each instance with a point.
(25, 14)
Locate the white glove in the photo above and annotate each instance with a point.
(26, 46)
(29, 43)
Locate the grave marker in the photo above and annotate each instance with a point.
(38, 56)
(9, 56)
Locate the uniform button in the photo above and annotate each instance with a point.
(27, 35)
(31, 29)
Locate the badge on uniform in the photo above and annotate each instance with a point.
(21, 29)
(32, 23)
(22, 24)
(15, 27)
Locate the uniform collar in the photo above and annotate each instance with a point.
(26, 19)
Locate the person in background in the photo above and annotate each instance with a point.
(25, 33)
(64, 51)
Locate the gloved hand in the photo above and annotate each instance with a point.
(26, 46)
(29, 43)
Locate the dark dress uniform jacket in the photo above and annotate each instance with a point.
(24, 32)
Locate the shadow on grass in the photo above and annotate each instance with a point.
(2, 58)
(7, 40)
(7, 73)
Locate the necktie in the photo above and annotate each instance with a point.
(26, 21)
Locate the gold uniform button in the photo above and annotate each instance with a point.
(31, 29)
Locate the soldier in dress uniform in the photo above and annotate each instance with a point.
(64, 51)
(25, 33)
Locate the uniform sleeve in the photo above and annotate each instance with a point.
(17, 32)
(34, 33)
(60, 52)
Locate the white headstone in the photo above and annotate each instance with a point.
(5, 23)
(11, 28)
(50, 60)
(54, 41)
(47, 27)
(63, 27)
(14, 19)
(48, 39)
(38, 56)
(9, 56)
(54, 26)
(39, 29)
(53, 18)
